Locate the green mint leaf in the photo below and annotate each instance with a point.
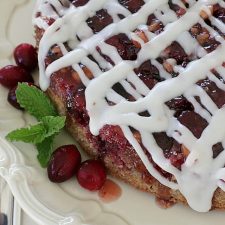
(33, 134)
(34, 101)
(47, 127)
(53, 124)
(45, 150)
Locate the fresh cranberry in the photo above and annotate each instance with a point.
(64, 163)
(26, 56)
(12, 98)
(11, 75)
(91, 175)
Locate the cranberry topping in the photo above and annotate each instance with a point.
(177, 9)
(215, 93)
(91, 175)
(107, 58)
(11, 75)
(64, 163)
(112, 135)
(26, 56)
(99, 21)
(194, 122)
(175, 51)
(79, 99)
(121, 91)
(180, 104)
(164, 142)
(149, 74)
(12, 98)
(78, 3)
(204, 38)
(171, 149)
(155, 25)
(53, 54)
(175, 155)
(125, 47)
(219, 12)
(217, 149)
(159, 169)
(132, 5)
(76, 105)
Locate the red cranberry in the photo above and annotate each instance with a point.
(64, 163)
(91, 175)
(11, 75)
(26, 56)
(12, 98)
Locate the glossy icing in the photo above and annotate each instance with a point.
(200, 174)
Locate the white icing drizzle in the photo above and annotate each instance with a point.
(200, 174)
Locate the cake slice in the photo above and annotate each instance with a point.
(142, 86)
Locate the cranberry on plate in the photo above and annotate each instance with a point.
(11, 75)
(26, 56)
(91, 175)
(64, 163)
(12, 98)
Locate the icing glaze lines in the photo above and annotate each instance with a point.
(201, 174)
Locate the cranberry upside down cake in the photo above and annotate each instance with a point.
(142, 83)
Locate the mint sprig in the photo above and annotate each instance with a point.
(34, 101)
(33, 134)
(42, 134)
(45, 150)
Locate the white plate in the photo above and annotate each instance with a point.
(52, 204)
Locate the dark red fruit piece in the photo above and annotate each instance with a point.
(121, 91)
(91, 175)
(12, 98)
(125, 47)
(26, 56)
(179, 11)
(132, 5)
(217, 149)
(219, 12)
(78, 3)
(11, 75)
(99, 21)
(64, 163)
(180, 104)
(214, 92)
(194, 122)
(155, 25)
(176, 51)
(149, 74)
